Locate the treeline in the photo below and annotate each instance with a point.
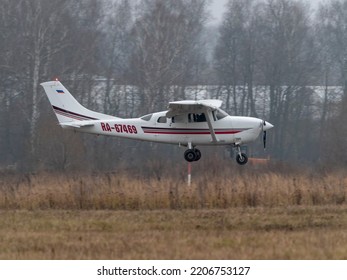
(128, 58)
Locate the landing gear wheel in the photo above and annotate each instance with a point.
(197, 154)
(241, 159)
(190, 155)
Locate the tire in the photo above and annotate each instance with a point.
(190, 155)
(197, 154)
(242, 160)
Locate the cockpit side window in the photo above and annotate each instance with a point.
(161, 119)
(196, 117)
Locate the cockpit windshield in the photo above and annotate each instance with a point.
(219, 114)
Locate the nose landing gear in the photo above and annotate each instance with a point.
(241, 158)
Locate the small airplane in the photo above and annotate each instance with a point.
(187, 123)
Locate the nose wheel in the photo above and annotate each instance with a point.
(192, 155)
(241, 158)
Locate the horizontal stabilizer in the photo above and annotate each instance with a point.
(77, 124)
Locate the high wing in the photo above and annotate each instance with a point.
(191, 106)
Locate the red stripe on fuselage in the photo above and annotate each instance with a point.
(178, 131)
(188, 132)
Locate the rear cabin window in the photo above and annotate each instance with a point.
(146, 117)
(196, 117)
(179, 119)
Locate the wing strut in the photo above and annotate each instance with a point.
(209, 122)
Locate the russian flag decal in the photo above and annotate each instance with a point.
(60, 91)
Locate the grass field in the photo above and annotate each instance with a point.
(253, 214)
(253, 233)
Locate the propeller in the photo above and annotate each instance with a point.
(264, 135)
(265, 126)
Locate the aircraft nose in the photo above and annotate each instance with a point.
(267, 126)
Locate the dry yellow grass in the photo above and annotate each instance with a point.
(239, 233)
(250, 188)
(247, 214)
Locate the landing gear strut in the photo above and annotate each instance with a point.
(241, 158)
(192, 155)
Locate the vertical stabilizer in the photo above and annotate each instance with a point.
(66, 107)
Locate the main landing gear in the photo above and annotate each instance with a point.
(192, 155)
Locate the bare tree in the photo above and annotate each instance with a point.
(235, 55)
(39, 39)
(32, 38)
(336, 27)
(165, 36)
(9, 78)
(115, 49)
(287, 61)
(331, 34)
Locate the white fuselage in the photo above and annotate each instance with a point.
(181, 130)
(187, 122)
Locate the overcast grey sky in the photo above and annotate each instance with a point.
(217, 8)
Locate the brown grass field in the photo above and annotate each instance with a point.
(253, 214)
